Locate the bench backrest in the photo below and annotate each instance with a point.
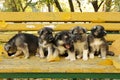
(31, 21)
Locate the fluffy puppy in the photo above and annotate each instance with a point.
(97, 43)
(22, 43)
(80, 42)
(45, 41)
(64, 44)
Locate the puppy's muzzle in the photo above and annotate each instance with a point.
(68, 44)
(76, 37)
(10, 54)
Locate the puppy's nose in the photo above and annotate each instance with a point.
(10, 54)
(105, 32)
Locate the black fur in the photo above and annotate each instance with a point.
(46, 42)
(46, 34)
(20, 41)
(66, 38)
(80, 42)
(97, 43)
(64, 44)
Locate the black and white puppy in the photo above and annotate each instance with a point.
(64, 44)
(80, 42)
(45, 41)
(97, 43)
(22, 43)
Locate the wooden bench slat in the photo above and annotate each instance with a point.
(58, 27)
(60, 16)
(88, 26)
(109, 37)
(112, 37)
(32, 65)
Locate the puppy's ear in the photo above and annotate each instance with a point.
(7, 47)
(84, 30)
(105, 33)
(94, 28)
(40, 32)
(49, 29)
(71, 31)
(57, 36)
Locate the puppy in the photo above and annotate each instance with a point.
(45, 41)
(80, 42)
(64, 44)
(22, 43)
(97, 43)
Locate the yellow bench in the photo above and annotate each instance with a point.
(29, 21)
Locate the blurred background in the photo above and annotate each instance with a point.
(60, 5)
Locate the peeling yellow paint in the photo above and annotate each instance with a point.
(3, 24)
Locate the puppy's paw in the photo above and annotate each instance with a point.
(73, 59)
(85, 55)
(92, 56)
(67, 57)
(42, 56)
(99, 56)
(26, 57)
(85, 58)
(79, 56)
(103, 57)
(37, 55)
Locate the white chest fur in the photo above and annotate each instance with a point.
(97, 43)
(79, 45)
(44, 44)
